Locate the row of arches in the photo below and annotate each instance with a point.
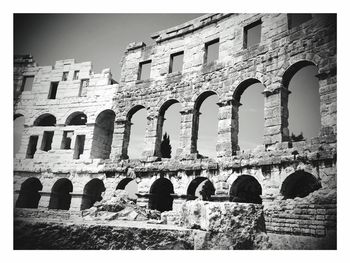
(245, 189)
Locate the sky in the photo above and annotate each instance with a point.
(102, 39)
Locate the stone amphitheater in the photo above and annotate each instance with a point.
(77, 124)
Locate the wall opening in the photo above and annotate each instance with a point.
(45, 120)
(251, 113)
(129, 185)
(200, 187)
(160, 195)
(252, 34)
(205, 125)
(92, 193)
(176, 62)
(53, 90)
(29, 195)
(18, 127)
(169, 119)
(299, 184)
(67, 140)
(33, 141)
(79, 146)
(144, 71)
(246, 189)
(65, 76)
(302, 106)
(76, 75)
(60, 197)
(295, 20)
(84, 83)
(27, 83)
(103, 135)
(76, 118)
(47, 141)
(135, 130)
(211, 52)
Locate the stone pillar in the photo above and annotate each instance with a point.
(160, 122)
(121, 137)
(276, 115)
(185, 145)
(227, 128)
(44, 199)
(57, 140)
(150, 136)
(75, 202)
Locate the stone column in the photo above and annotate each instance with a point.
(276, 115)
(57, 138)
(160, 122)
(120, 142)
(44, 199)
(150, 136)
(185, 145)
(227, 128)
(75, 202)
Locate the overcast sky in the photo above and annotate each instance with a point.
(102, 39)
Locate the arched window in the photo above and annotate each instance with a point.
(133, 142)
(246, 189)
(169, 119)
(299, 184)
(60, 194)
(200, 186)
(18, 127)
(103, 135)
(45, 120)
(29, 195)
(251, 113)
(129, 185)
(92, 193)
(205, 128)
(160, 198)
(76, 118)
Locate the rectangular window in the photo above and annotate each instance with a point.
(252, 34)
(211, 51)
(27, 83)
(53, 90)
(144, 70)
(67, 140)
(47, 141)
(176, 62)
(79, 146)
(65, 76)
(84, 83)
(76, 75)
(33, 141)
(295, 20)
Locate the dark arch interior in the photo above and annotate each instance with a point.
(45, 120)
(77, 118)
(242, 87)
(246, 189)
(92, 193)
(299, 184)
(60, 194)
(122, 184)
(160, 198)
(207, 188)
(29, 195)
(103, 135)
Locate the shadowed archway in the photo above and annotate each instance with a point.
(246, 189)
(160, 198)
(92, 193)
(60, 194)
(29, 195)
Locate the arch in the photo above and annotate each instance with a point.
(197, 185)
(195, 120)
(76, 118)
(129, 185)
(17, 115)
(246, 189)
(60, 197)
(121, 185)
(160, 123)
(160, 198)
(242, 87)
(29, 195)
(291, 70)
(46, 119)
(133, 110)
(299, 184)
(92, 193)
(103, 135)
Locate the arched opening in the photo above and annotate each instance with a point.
(160, 198)
(76, 118)
(103, 135)
(168, 122)
(246, 189)
(60, 194)
(129, 185)
(29, 195)
(205, 128)
(299, 184)
(92, 193)
(251, 113)
(18, 127)
(133, 143)
(303, 103)
(45, 120)
(201, 186)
